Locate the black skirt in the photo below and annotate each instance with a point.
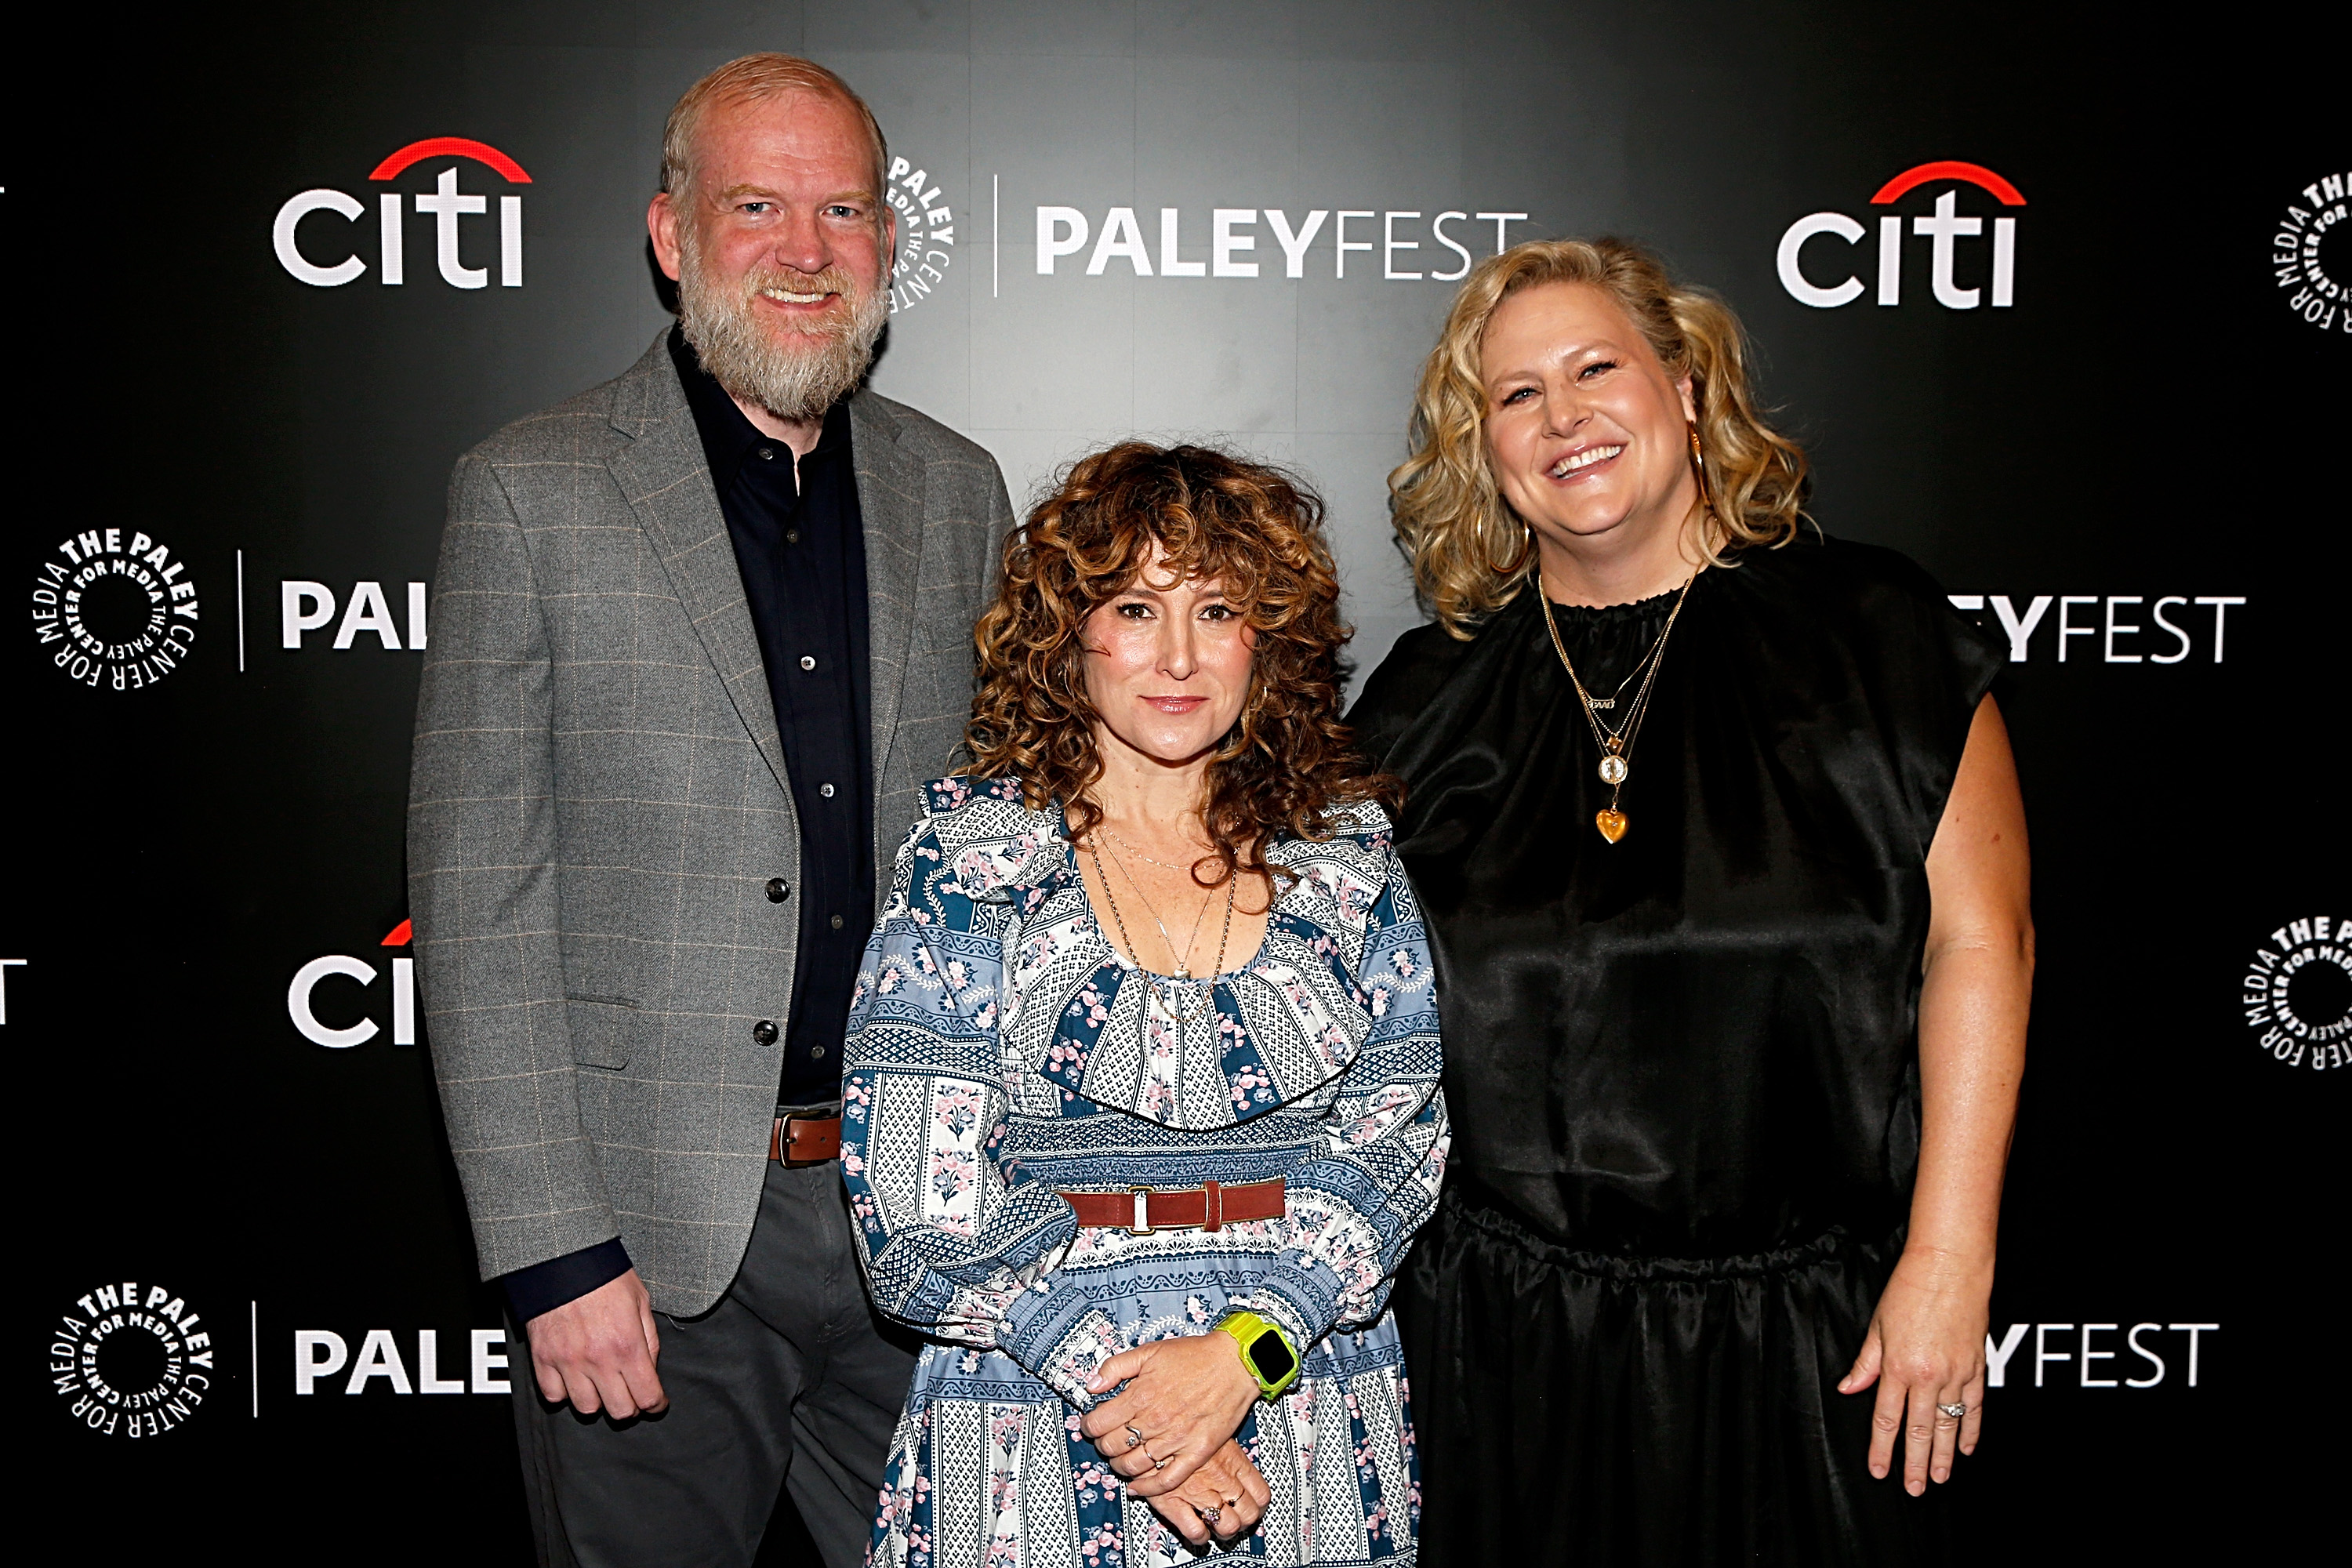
(1579, 1408)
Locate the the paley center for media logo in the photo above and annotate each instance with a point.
(927, 235)
(2296, 993)
(133, 1358)
(1818, 261)
(114, 608)
(2297, 249)
(327, 254)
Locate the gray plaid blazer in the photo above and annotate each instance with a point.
(597, 802)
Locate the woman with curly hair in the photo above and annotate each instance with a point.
(1141, 1100)
(1719, 843)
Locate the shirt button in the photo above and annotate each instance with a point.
(807, 662)
(837, 922)
(778, 889)
(791, 536)
(825, 790)
(767, 454)
(764, 1032)
(816, 1051)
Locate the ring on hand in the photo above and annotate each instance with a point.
(1213, 1514)
(1955, 1410)
(1156, 1464)
(1134, 1438)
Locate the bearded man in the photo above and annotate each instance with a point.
(699, 634)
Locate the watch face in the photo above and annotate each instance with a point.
(1271, 1357)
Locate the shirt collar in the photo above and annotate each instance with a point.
(728, 438)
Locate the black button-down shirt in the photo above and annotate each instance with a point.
(800, 543)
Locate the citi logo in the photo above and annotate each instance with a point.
(446, 204)
(301, 997)
(1943, 231)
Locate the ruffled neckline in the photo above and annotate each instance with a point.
(1657, 607)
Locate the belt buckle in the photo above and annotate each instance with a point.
(1143, 1222)
(801, 1113)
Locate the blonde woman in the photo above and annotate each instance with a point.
(1719, 841)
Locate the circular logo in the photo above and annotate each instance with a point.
(2300, 249)
(926, 236)
(114, 610)
(2297, 994)
(131, 1359)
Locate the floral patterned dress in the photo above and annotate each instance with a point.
(1001, 1051)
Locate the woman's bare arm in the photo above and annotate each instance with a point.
(1926, 1346)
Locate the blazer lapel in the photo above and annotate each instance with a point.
(890, 501)
(664, 476)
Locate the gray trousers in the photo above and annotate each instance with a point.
(788, 1381)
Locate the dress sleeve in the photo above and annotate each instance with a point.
(948, 1235)
(1931, 666)
(1355, 1207)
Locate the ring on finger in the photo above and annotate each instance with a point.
(1212, 1514)
(1955, 1410)
(1134, 1438)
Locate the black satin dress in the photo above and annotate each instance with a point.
(1683, 1068)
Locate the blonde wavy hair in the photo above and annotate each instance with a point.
(1471, 553)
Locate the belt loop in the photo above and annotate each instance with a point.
(1212, 1208)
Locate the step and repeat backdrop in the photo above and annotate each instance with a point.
(2061, 310)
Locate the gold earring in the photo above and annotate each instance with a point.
(1699, 466)
(1518, 565)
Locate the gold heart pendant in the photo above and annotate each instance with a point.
(1611, 823)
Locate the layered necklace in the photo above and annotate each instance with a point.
(1615, 735)
(1183, 975)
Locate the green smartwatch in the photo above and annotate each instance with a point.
(1265, 1351)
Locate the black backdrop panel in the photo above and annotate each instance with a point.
(2108, 413)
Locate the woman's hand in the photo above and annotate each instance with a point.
(1924, 1349)
(1224, 1497)
(1183, 1399)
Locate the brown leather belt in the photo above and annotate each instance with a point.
(1209, 1206)
(802, 1139)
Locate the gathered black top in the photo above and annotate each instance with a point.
(1700, 1041)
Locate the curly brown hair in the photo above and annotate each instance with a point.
(1288, 766)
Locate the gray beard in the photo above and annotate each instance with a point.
(793, 380)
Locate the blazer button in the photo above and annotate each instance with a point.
(778, 889)
(764, 1032)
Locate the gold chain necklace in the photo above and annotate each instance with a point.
(1183, 974)
(1616, 742)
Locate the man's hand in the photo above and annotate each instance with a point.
(1184, 1398)
(598, 1351)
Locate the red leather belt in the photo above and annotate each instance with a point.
(1209, 1206)
(805, 1140)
